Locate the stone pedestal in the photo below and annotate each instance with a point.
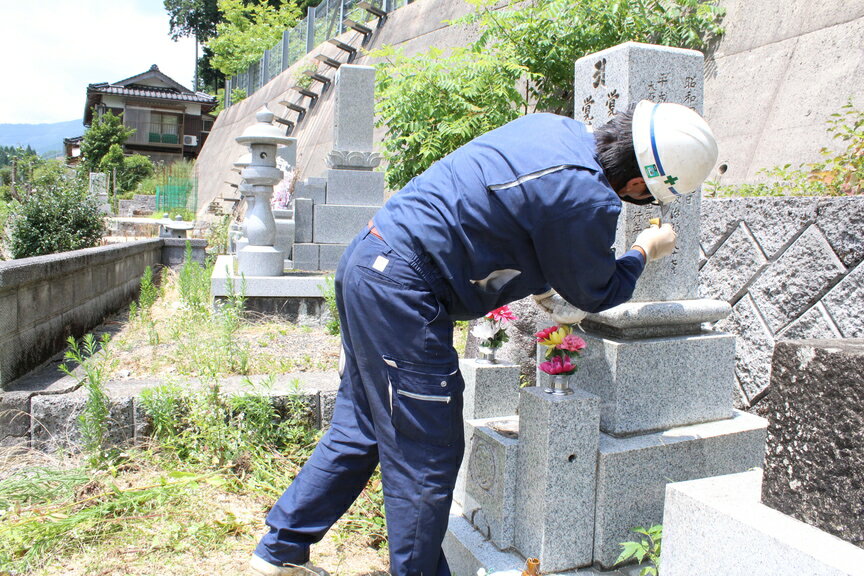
(557, 464)
(260, 261)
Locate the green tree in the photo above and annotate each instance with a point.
(247, 30)
(105, 131)
(432, 104)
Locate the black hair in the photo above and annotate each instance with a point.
(615, 149)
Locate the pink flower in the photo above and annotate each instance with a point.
(558, 365)
(502, 314)
(571, 343)
(544, 334)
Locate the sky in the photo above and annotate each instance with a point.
(52, 49)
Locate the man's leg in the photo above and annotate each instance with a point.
(335, 474)
(402, 339)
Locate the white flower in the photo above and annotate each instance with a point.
(484, 330)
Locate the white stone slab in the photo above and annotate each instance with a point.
(286, 286)
(718, 527)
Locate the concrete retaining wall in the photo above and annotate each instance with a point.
(791, 269)
(782, 68)
(44, 300)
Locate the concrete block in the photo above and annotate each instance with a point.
(56, 423)
(754, 344)
(355, 187)
(491, 390)
(845, 304)
(326, 403)
(815, 323)
(338, 224)
(732, 266)
(794, 281)
(354, 108)
(314, 189)
(306, 256)
(14, 415)
(557, 460)
(303, 215)
(491, 480)
(34, 303)
(814, 465)
(632, 473)
(9, 310)
(329, 255)
(839, 220)
(718, 527)
(658, 383)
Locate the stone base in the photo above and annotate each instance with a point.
(717, 526)
(467, 551)
(260, 261)
(632, 473)
(658, 383)
(287, 285)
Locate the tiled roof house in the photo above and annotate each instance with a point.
(170, 121)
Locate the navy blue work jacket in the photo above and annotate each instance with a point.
(513, 212)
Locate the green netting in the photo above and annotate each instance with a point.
(177, 193)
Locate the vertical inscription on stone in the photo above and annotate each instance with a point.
(611, 81)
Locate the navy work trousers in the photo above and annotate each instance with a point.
(399, 402)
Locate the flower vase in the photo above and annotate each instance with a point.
(559, 385)
(487, 355)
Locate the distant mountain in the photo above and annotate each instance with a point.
(41, 137)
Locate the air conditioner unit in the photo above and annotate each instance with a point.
(190, 140)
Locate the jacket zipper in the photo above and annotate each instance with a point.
(426, 397)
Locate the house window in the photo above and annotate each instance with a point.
(206, 124)
(164, 128)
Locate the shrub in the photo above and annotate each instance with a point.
(56, 215)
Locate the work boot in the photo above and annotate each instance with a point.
(264, 568)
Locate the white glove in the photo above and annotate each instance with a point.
(656, 242)
(561, 311)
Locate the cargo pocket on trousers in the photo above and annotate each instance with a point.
(426, 401)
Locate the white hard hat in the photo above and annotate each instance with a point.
(674, 147)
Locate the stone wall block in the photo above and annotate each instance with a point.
(62, 294)
(794, 282)
(329, 256)
(34, 303)
(731, 268)
(303, 214)
(842, 220)
(754, 345)
(339, 224)
(814, 468)
(9, 310)
(718, 218)
(845, 303)
(355, 187)
(307, 256)
(14, 415)
(56, 425)
(814, 323)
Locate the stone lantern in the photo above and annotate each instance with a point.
(259, 257)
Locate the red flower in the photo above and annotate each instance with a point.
(545, 333)
(502, 314)
(558, 365)
(571, 343)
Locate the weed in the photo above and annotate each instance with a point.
(329, 292)
(96, 363)
(648, 546)
(194, 283)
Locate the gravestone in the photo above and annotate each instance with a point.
(330, 212)
(653, 399)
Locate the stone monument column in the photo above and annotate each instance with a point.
(259, 257)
